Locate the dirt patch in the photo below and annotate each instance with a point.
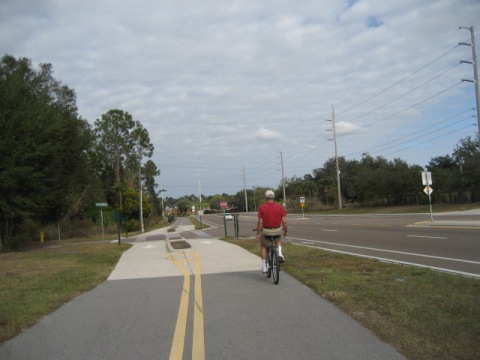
(156, 237)
(180, 244)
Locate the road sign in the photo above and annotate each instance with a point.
(302, 205)
(101, 204)
(117, 216)
(302, 200)
(428, 190)
(223, 204)
(427, 178)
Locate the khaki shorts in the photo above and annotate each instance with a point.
(271, 232)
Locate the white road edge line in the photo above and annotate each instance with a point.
(391, 251)
(477, 276)
(428, 237)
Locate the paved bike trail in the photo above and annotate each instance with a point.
(133, 315)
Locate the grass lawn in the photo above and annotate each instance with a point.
(423, 313)
(37, 282)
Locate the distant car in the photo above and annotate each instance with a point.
(228, 217)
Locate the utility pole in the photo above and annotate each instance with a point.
(475, 72)
(140, 192)
(163, 205)
(200, 212)
(336, 160)
(460, 160)
(200, 195)
(283, 183)
(245, 189)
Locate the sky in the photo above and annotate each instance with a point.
(229, 91)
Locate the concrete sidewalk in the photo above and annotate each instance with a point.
(150, 258)
(464, 219)
(451, 223)
(441, 221)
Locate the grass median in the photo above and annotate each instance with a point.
(425, 314)
(37, 282)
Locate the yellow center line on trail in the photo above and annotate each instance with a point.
(198, 348)
(176, 351)
(178, 343)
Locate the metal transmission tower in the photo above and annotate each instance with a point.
(475, 71)
(336, 160)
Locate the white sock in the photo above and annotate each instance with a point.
(280, 250)
(264, 264)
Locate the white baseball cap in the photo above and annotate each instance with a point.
(269, 194)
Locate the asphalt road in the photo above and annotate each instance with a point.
(449, 243)
(207, 302)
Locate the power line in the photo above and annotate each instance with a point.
(433, 131)
(415, 133)
(406, 93)
(398, 82)
(401, 111)
(429, 140)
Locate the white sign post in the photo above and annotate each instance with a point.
(302, 204)
(427, 180)
(101, 205)
(224, 205)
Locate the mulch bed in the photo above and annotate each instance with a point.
(182, 244)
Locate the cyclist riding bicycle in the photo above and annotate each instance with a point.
(271, 222)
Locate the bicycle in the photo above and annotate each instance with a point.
(273, 263)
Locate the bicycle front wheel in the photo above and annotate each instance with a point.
(275, 268)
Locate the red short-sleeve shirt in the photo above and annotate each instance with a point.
(272, 214)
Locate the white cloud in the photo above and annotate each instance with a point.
(231, 84)
(343, 127)
(266, 134)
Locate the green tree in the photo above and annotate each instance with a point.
(326, 179)
(149, 171)
(131, 208)
(468, 160)
(121, 142)
(185, 203)
(215, 201)
(445, 173)
(44, 165)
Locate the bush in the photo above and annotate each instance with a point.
(131, 225)
(26, 233)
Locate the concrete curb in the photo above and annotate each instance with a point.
(448, 223)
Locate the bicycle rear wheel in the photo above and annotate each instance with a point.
(275, 268)
(269, 263)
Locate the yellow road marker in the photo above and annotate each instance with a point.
(198, 348)
(178, 343)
